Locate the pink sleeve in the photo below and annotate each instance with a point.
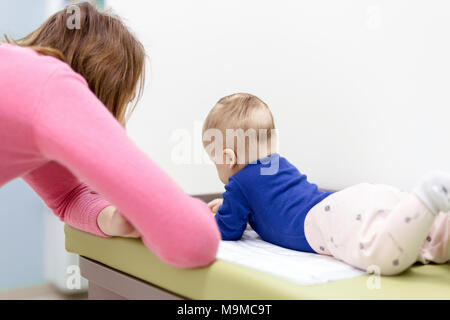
(73, 128)
(68, 198)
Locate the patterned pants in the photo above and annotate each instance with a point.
(378, 228)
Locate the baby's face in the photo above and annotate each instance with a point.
(224, 169)
(224, 172)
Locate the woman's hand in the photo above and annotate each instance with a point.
(113, 223)
(215, 204)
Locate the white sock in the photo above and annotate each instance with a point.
(434, 191)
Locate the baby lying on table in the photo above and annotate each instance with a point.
(373, 227)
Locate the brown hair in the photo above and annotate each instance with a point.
(240, 111)
(245, 112)
(102, 50)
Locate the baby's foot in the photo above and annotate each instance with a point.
(434, 191)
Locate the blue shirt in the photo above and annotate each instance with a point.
(275, 205)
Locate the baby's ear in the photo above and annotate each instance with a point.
(230, 157)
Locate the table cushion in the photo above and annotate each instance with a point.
(226, 280)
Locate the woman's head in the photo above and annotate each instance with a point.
(102, 50)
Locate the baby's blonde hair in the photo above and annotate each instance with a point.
(241, 111)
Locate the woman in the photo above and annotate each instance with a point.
(63, 98)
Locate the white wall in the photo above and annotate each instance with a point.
(359, 88)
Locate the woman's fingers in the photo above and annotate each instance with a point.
(122, 227)
(114, 224)
(133, 234)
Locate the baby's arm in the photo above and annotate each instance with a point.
(215, 205)
(232, 216)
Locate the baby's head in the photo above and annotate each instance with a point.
(238, 131)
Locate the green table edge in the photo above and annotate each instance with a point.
(227, 281)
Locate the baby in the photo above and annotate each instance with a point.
(373, 227)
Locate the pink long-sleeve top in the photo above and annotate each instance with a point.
(57, 136)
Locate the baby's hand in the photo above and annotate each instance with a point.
(113, 223)
(215, 204)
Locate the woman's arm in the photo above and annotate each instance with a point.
(69, 199)
(76, 204)
(73, 128)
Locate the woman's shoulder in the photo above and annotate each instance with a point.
(18, 62)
